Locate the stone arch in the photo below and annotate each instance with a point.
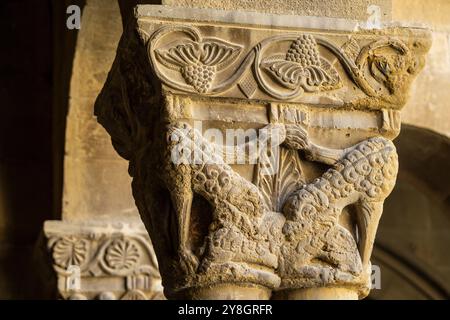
(412, 241)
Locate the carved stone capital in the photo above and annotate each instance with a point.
(234, 220)
(104, 261)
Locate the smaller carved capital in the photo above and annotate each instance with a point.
(104, 261)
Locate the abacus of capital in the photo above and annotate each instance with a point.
(332, 94)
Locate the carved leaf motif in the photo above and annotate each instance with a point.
(333, 80)
(219, 53)
(290, 177)
(122, 255)
(302, 66)
(210, 52)
(266, 184)
(287, 73)
(277, 187)
(179, 56)
(198, 62)
(351, 49)
(70, 251)
(311, 78)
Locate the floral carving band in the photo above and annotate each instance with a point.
(380, 68)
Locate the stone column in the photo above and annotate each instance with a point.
(100, 248)
(260, 146)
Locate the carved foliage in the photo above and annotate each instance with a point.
(122, 255)
(198, 61)
(288, 178)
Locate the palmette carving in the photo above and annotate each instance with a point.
(275, 188)
(70, 251)
(198, 61)
(122, 255)
(318, 249)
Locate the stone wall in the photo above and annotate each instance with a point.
(430, 99)
(96, 183)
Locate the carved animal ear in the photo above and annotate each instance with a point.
(380, 68)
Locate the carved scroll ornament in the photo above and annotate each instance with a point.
(382, 68)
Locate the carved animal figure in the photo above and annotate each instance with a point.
(363, 177)
(241, 222)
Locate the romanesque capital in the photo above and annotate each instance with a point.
(102, 261)
(260, 146)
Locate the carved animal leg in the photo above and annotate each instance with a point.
(341, 250)
(368, 217)
(182, 201)
(324, 155)
(297, 139)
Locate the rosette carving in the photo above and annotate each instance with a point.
(122, 255)
(70, 251)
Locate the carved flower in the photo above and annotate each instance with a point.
(198, 61)
(302, 66)
(70, 251)
(122, 255)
